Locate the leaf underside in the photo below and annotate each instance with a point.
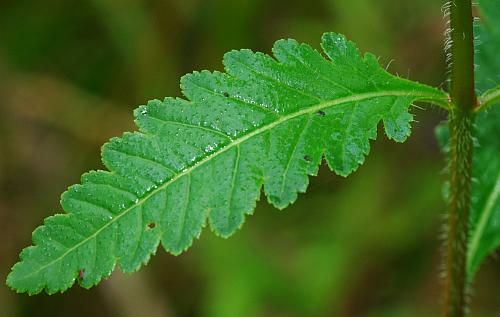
(265, 123)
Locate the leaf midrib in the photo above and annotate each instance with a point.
(485, 216)
(437, 98)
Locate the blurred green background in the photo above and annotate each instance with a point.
(72, 71)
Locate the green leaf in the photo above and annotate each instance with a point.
(489, 98)
(485, 214)
(486, 57)
(484, 235)
(264, 123)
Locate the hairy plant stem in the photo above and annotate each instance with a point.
(461, 145)
(458, 213)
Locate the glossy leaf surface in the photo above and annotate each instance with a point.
(265, 123)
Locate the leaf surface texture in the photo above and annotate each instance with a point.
(484, 235)
(265, 124)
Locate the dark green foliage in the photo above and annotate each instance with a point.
(486, 57)
(484, 231)
(484, 235)
(485, 216)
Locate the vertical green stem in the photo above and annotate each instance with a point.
(462, 55)
(461, 121)
(458, 213)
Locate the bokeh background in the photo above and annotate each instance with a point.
(72, 71)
